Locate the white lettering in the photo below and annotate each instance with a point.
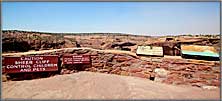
(31, 58)
(23, 62)
(38, 69)
(17, 66)
(25, 70)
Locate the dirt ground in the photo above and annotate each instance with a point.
(89, 85)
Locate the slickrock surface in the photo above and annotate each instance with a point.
(89, 85)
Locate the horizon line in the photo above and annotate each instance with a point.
(124, 33)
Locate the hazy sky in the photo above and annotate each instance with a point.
(146, 18)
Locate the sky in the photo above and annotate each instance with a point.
(139, 18)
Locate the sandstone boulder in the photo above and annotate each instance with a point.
(161, 72)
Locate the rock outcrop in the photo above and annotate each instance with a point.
(165, 70)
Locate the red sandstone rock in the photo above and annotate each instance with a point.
(146, 63)
(124, 68)
(218, 76)
(140, 75)
(134, 61)
(119, 58)
(204, 68)
(116, 70)
(216, 71)
(65, 71)
(103, 70)
(97, 65)
(167, 81)
(148, 70)
(92, 69)
(194, 80)
(198, 84)
(175, 79)
(134, 70)
(123, 64)
(178, 68)
(208, 76)
(178, 80)
(215, 83)
(148, 66)
(124, 73)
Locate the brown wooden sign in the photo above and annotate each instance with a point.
(31, 64)
(76, 59)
